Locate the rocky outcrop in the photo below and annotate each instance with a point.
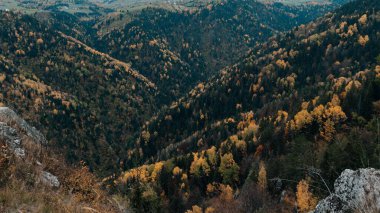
(10, 135)
(12, 128)
(354, 191)
(10, 118)
(10, 125)
(12, 139)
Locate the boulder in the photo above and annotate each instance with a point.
(49, 179)
(353, 191)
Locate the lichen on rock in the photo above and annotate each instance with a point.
(354, 191)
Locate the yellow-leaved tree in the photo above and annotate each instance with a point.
(195, 209)
(306, 201)
(262, 178)
(199, 167)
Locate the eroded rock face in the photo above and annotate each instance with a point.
(12, 130)
(10, 118)
(10, 135)
(9, 121)
(354, 190)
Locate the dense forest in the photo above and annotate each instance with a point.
(288, 116)
(176, 50)
(58, 70)
(235, 106)
(82, 98)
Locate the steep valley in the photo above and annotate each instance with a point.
(217, 106)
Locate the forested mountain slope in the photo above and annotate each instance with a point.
(156, 107)
(84, 100)
(92, 104)
(177, 49)
(282, 123)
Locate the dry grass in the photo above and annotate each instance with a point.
(22, 191)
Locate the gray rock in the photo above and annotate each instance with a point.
(10, 135)
(11, 127)
(50, 179)
(12, 138)
(332, 204)
(20, 152)
(9, 117)
(354, 191)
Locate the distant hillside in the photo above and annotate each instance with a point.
(306, 2)
(177, 49)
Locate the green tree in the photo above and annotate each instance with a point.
(229, 169)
